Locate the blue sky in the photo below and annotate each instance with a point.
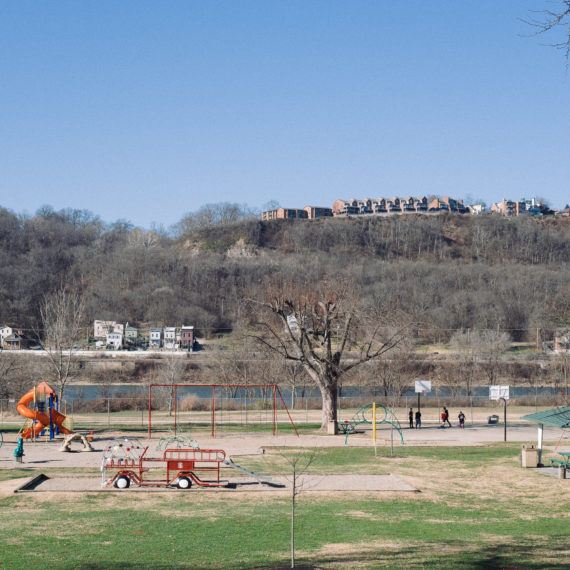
(144, 110)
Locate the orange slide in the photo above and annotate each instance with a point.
(42, 418)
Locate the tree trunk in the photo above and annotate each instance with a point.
(293, 494)
(329, 396)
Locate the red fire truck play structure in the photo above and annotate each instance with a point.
(126, 462)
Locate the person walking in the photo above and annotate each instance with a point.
(418, 419)
(411, 418)
(442, 418)
(446, 418)
(461, 418)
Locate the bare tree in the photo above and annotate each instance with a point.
(62, 318)
(551, 21)
(298, 463)
(295, 376)
(562, 364)
(323, 328)
(212, 215)
(241, 365)
(482, 347)
(170, 372)
(393, 373)
(462, 342)
(286, 372)
(491, 346)
(8, 367)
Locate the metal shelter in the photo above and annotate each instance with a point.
(557, 417)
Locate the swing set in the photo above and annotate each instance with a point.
(229, 404)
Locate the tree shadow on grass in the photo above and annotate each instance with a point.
(449, 555)
(442, 555)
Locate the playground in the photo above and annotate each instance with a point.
(442, 499)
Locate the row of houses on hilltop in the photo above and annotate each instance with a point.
(378, 206)
(397, 205)
(115, 336)
(409, 205)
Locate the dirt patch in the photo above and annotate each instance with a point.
(363, 515)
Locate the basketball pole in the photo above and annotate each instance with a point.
(374, 426)
(505, 416)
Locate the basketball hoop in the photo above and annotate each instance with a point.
(498, 393)
(422, 386)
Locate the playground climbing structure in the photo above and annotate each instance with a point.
(41, 406)
(126, 462)
(176, 440)
(365, 416)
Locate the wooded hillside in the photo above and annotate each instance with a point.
(446, 272)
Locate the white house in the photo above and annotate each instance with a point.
(477, 209)
(5, 332)
(170, 337)
(155, 336)
(101, 328)
(115, 340)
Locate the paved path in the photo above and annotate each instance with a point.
(47, 454)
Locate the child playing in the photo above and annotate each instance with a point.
(461, 417)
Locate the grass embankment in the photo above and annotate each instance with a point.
(477, 509)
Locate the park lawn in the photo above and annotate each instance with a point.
(365, 460)
(194, 429)
(7, 474)
(22, 472)
(477, 509)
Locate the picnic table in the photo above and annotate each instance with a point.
(564, 460)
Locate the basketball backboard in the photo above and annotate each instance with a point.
(423, 386)
(498, 392)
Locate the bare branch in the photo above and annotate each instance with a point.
(547, 21)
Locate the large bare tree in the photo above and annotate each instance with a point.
(62, 315)
(325, 329)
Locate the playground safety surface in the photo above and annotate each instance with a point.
(309, 483)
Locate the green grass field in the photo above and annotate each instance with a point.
(477, 509)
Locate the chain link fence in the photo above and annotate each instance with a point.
(129, 405)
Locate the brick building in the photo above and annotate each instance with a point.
(308, 212)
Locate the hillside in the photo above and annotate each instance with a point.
(446, 272)
(489, 239)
